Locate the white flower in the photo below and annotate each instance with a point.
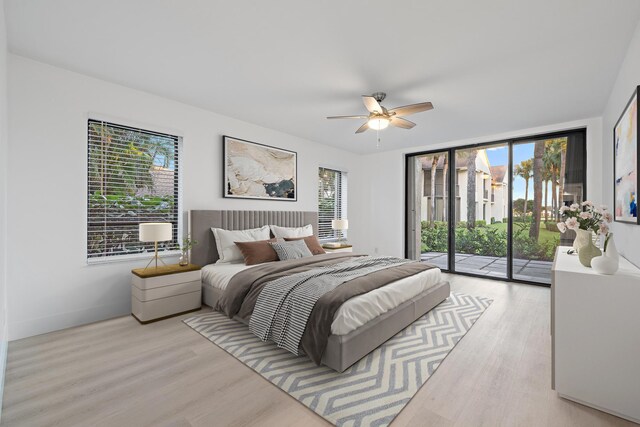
(563, 209)
(587, 203)
(607, 216)
(562, 227)
(586, 215)
(574, 207)
(572, 224)
(604, 228)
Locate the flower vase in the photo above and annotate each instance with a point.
(611, 249)
(588, 252)
(583, 238)
(609, 262)
(184, 258)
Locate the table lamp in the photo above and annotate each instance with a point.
(340, 224)
(155, 232)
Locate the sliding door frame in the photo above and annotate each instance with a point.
(451, 226)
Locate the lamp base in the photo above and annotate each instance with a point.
(155, 257)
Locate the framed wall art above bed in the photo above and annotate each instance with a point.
(257, 171)
(625, 163)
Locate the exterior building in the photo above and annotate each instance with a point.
(499, 193)
(491, 192)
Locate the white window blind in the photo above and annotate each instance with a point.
(332, 201)
(132, 178)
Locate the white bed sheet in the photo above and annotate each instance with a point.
(355, 312)
(219, 275)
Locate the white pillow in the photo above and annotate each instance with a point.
(292, 232)
(225, 241)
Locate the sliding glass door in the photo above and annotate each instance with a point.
(492, 211)
(548, 173)
(481, 185)
(428, 217)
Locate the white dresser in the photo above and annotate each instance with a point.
(595, 326)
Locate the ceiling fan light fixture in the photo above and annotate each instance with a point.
(378, 123)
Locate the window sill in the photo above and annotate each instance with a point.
(134, 257)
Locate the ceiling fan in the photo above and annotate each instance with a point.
(379, 117)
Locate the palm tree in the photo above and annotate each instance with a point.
(471, 187)
(445, 169)
(126, 157)
(524, 170)
(555, 157)
(434, 167)
(538, 165)
(563, 168)
(551, 164)
(546, 177)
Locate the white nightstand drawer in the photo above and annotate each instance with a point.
(164, 280)
(146, 311)
(165, 291)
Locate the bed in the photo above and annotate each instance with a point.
(360, 324)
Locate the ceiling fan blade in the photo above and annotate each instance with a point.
(371, 104)
(399, 122)
(348, 117)
(411, 109)
(362, 128)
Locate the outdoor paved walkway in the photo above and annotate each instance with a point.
(523, 269)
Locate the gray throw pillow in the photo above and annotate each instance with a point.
(291, 250)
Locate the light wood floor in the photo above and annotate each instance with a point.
(119, 373)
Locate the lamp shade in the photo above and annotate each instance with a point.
(340, 224)
(155, 231)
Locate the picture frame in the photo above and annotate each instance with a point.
(258, 172)
(626, 158)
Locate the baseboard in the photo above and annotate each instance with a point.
(4, 347)
(599, 408)
(43, 325)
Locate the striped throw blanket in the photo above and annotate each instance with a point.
(285, 304)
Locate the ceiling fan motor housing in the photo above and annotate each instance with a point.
(379, 96)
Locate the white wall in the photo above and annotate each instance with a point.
(3, 196)
(378, 185)
(52, 287)
(626, 236)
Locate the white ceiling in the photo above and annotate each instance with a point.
(488, 66)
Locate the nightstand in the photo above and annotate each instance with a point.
(341, 248)
(158, 293)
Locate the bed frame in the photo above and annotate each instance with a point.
(342, 350)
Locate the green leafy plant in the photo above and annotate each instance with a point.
(123, 212)
(526, 248)
(188, 243)
(434, 238)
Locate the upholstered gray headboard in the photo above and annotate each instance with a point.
(201, 221)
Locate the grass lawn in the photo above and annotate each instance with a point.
(545, 235)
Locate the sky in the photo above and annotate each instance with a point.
(500, 156)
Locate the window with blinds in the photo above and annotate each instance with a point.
(332, 202)
(132, 178)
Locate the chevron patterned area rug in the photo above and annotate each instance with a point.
(373, 391)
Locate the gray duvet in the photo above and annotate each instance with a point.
(244, 289)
